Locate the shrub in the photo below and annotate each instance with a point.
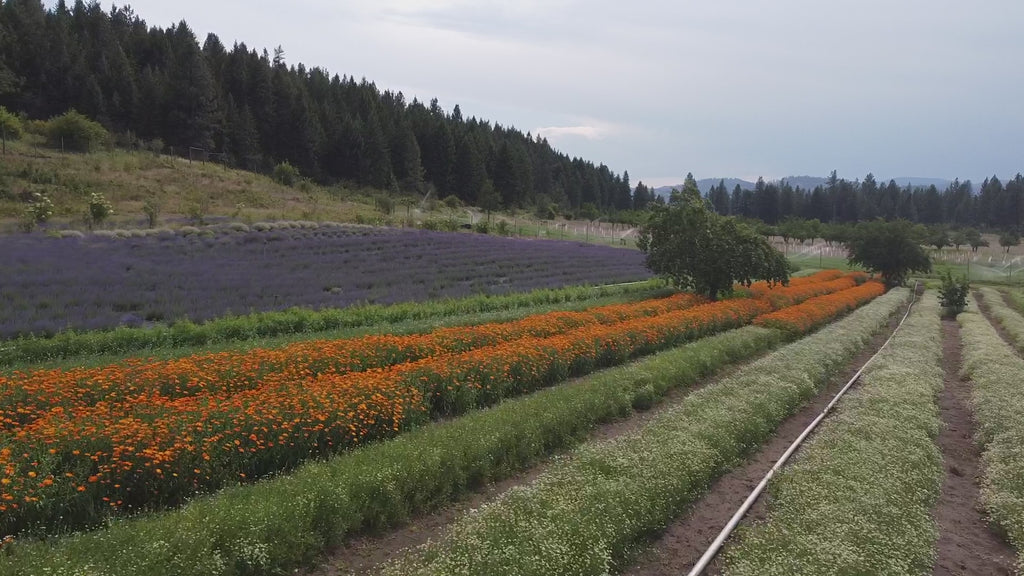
(286, 174)
(11, 124)
(482, 227)
(38, 211)
(501, 228)
(453, 202)
(99, 209)
(74, 131)
(953, 294)
(151, 208)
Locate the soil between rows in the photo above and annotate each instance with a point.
(966, 543)
(362, 554)
(683, 542)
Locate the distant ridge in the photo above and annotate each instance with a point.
(805, 182)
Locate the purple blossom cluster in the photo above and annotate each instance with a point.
(51, 284)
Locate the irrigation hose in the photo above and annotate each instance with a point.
(719, 541)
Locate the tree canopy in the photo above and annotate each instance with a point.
(699, 250)
(891, 249)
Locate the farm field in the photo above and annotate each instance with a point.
(99, 282)
(256, 459)
(88, 449)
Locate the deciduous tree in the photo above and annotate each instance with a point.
(703, 251)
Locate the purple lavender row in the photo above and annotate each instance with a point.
(52, 284)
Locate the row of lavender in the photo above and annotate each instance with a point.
(52, 284)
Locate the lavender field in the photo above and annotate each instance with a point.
(50, 284)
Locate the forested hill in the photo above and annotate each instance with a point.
(162, 84)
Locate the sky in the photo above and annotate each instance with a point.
(723, 88)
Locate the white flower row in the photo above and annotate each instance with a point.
(859, 497)
(998, 401)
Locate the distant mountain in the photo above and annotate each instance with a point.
(805, 182)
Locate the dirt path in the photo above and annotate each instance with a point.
(966, 544)
(684, 542)
(362, 554)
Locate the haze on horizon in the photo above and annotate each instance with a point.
(662, 88)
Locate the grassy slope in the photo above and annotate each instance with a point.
(183, 190)
(129, 179)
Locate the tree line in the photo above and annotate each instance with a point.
(993, 205)
(165, 89)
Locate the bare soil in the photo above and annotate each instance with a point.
(684, 542)
(966, 543)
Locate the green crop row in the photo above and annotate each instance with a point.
(998, 401)
(591, 512)
(1008, 318)
(272, 526)
(294, 321)
(859, 497)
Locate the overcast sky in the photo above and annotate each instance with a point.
(721, 88)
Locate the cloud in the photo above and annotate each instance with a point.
(588, 132)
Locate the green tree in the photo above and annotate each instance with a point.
(958, 238)
(974, 239)
(10, 124)
(73, 131)
(700, 250)
(888, 248)
(1009, 239)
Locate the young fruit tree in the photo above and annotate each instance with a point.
(700, 250)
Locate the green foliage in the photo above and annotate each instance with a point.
(99, 209)
(151, 208)
(74, 131)
(974, 239)
(953, 293)
(1009, 239)
(285, 174)
(938, 236)
(11, 124)
(482, 227)
(698, 249)
(888, 248)
(384, 204)
(866, 482)
(588, 514)
(453, 202)
(38, 211)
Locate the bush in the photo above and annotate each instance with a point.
(11, 124)
(40, 209)
(286, 174)
(99, 209)
(74, 131)
(953, 294)
(482, 227)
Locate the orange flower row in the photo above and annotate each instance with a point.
(25, 397)
(71, 466)
(763, 288)
(817, 311)
(156, 452)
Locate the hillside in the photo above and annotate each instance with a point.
(163, 90)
